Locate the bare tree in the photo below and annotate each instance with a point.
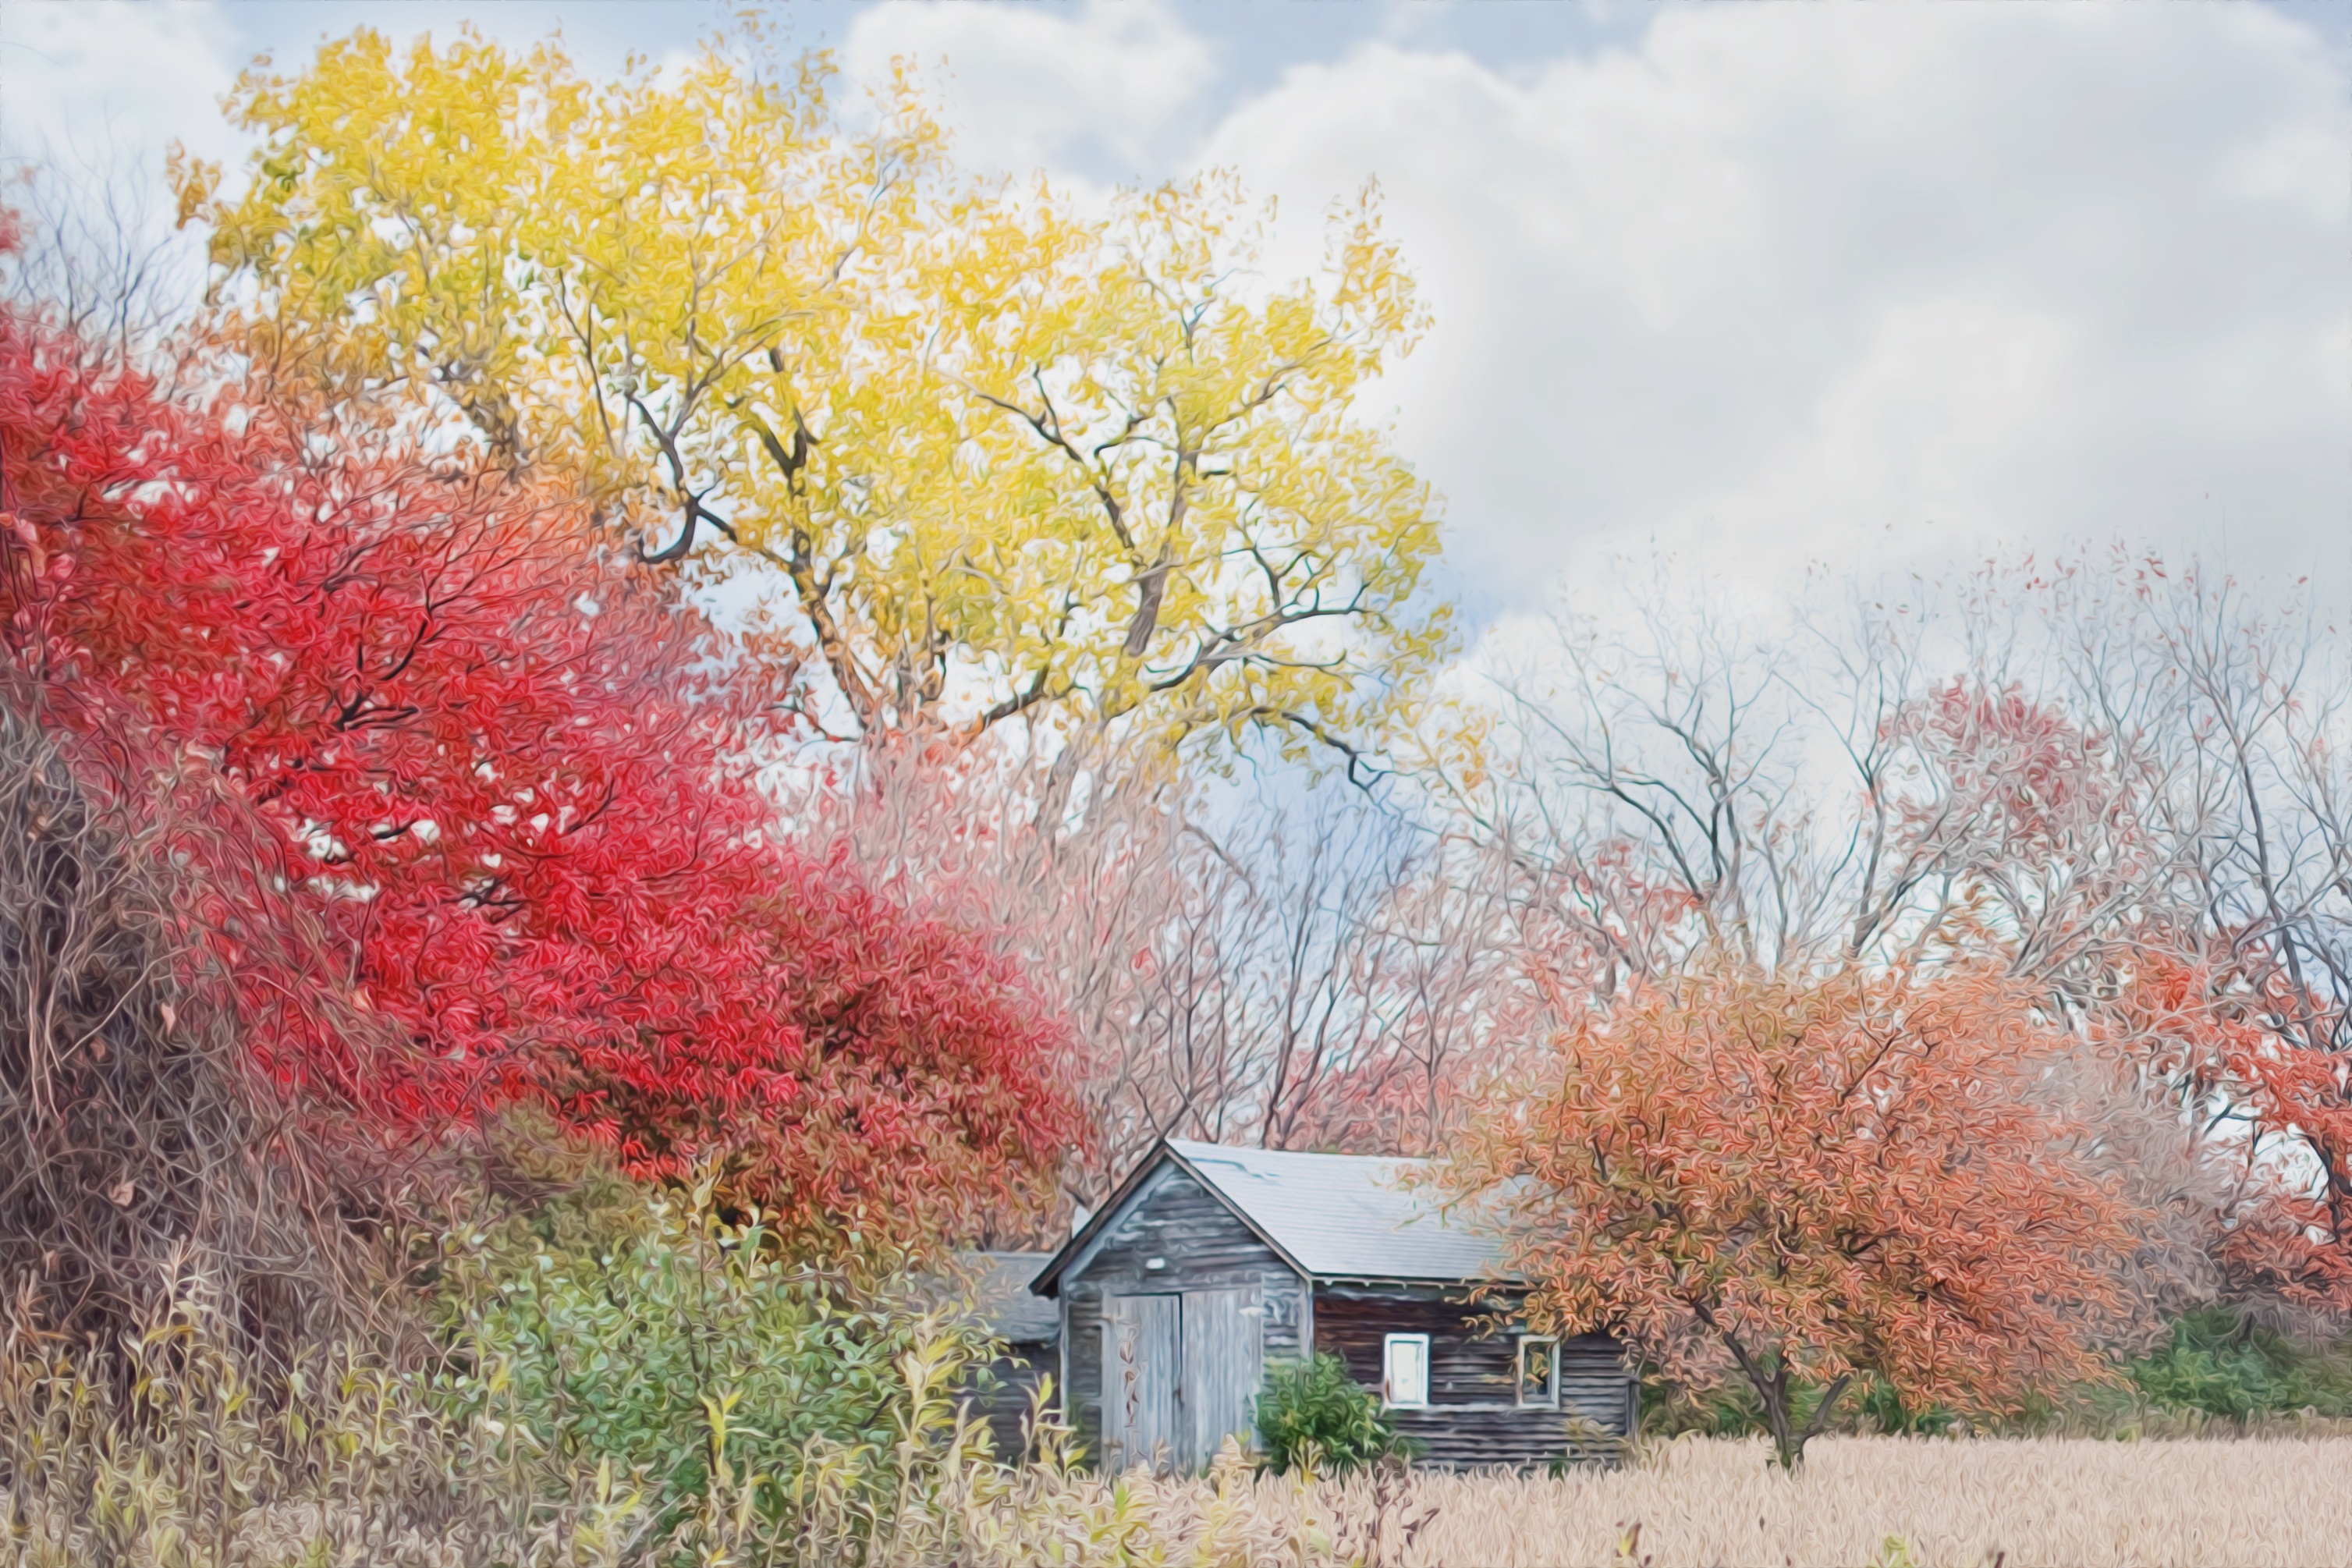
(94, 249)
(2094, 778)
(2235, 965)
(1307, 973)
(1350, 987)
(1852, 786)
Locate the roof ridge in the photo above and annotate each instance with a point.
(1345, 1217)
(1299, 1154)
(1348, 1216)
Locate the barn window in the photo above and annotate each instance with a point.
(1404, 1370)
(1539, 1371)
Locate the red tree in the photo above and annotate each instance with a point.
(502, 771)
(2264, 1093)
(1804, 1183)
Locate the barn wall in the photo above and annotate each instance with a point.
(1171, 1217)
(1003, 1397)
(1475, 1417)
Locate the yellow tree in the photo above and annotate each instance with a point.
(987, 456)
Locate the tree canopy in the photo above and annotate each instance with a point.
(992, 454)
(1808, 1183)
(501, 777)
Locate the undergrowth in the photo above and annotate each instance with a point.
(639, 1383)
(1313, 1416)
(2216, 1364)
(2223, 1363)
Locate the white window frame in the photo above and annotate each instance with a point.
(1549, 1398)
(1388, 1371)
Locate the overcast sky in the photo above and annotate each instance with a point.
(1878, 285)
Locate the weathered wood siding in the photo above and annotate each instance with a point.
(1473, 1416)
(1224, 1364)
(1003, 1397)
(1142, 1379)
(1220, 1266)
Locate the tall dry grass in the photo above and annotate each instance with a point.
(181, 1466)
(2280, 1499)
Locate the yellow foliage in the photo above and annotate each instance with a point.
(989, 455)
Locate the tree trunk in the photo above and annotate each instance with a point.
(1772, 1389)
(1788, 1438)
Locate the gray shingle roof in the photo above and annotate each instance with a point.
(1349, 1216)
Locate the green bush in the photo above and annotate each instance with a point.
(655, 1339)
(1880, 1408)
(2215, 1363)
(2221, 1363)
(1731, 1409)
(1313, 1415)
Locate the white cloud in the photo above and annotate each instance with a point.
(1870, 283)
(92, 96)
(1884, 282)
(103, 74)
(1102, 90)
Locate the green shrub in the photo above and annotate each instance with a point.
(1731, 1409)
(2215, 1363)
(1879, 1408)
(2221, 1363)
(1313, 1415)
(676, 1349)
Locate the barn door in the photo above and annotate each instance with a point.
(1142, 1353)
(1223, 1348)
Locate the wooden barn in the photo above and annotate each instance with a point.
(1209, 1262)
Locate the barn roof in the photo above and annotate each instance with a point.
(1001, 1293)
(994, 1287)
(1333, 1217)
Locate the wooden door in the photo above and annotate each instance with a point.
(1143, 1349)
(1223, 1350)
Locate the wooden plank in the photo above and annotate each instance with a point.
(1002, 1398)
(1473, 1417)
(1141, 1357)
(1223, 1356)
(1597, 1381)
(1470, 1361)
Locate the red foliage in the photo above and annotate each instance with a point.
(503, 772)
(2251, 1053)
(1808, 1182)
(2020, 771)
(2297, 1241)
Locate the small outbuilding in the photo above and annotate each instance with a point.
(1210, 1262)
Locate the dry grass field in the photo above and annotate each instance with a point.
(357, 1473)
(2277, 1501)
(1861, 1502)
